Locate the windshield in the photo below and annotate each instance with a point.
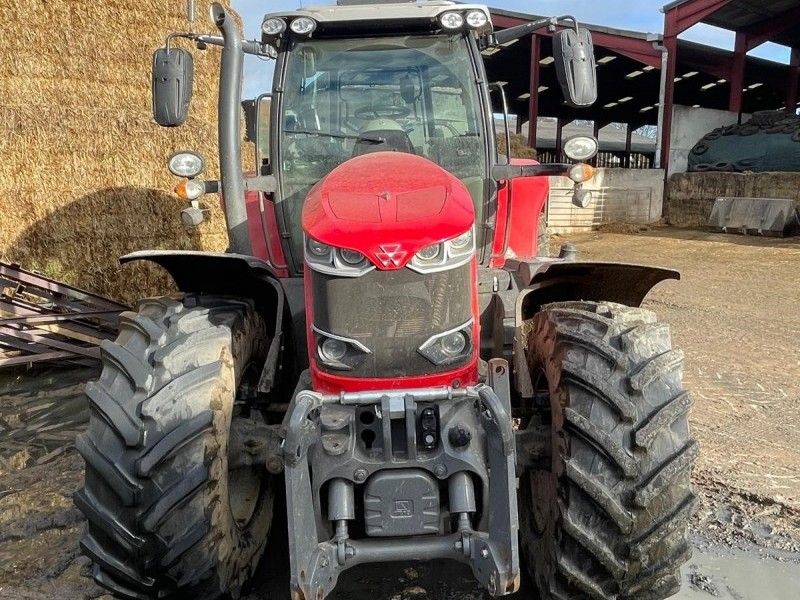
(347, 97)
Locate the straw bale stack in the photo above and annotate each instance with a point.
(82, 164)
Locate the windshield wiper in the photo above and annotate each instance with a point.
(343, 136)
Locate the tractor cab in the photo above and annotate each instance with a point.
(364, 77)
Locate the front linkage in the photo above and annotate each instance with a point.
(398, 446)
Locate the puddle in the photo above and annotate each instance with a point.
(42, 409)
(738, 575)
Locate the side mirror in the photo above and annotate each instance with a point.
(575, 66)
(173, 74)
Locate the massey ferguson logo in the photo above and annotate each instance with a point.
(391, 255)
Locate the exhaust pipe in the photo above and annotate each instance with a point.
(230, 153)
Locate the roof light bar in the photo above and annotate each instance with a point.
(273, 26)
(477, 19)
(452, 20)
(303, 25)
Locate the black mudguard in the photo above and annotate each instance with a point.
(234, 275)
(552, 281)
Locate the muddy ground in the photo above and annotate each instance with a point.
(736, 316)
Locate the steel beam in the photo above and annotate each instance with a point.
(628, 145)
(671, 44)
(683, 16)
(533, 101)
(766, 30)
(738, 72)
(636, 49)
(794, 79)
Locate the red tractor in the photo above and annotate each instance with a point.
(382, 342)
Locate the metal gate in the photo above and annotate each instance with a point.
(609, 205)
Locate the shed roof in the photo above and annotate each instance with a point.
(629, 76)
(780, 16)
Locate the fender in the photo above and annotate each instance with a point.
(228, 275)
(560, 281)
(552, 281)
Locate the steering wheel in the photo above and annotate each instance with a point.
(382, 112)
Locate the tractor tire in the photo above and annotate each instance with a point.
(166, 518)
(608, 517)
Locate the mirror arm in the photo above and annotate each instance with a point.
(504, 36)
(508, 172)
(248, 46)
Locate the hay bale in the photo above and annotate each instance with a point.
(519, 147)
(82, 164)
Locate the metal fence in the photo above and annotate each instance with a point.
(608, 160)
(609, 205)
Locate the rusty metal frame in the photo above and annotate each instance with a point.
(44, 320)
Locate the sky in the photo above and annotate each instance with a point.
(637, 15)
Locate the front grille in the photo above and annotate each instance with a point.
(392, 313)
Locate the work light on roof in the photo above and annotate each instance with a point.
(303, 25)
(452, 20)
(477, 19)
(273, 26)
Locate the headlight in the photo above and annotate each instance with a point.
(303, 25)
(351, 257)
(429, 254)
(454, 344)
(318, 248)
(273, 26)
(449, 347)
(452, 20)
(463, 244)
(341, 262)
(581, 148)
(477, 19)
(332, 350)
(339, 353)
(444, 256)
(186, 164)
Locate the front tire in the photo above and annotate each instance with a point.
(165, 515)
(609, 518)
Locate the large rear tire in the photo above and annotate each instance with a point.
(609, 518)
(165, 515)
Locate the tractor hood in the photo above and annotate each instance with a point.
(388, 206)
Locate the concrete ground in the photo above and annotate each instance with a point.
(735, 314)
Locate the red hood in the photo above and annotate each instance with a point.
(387, 205)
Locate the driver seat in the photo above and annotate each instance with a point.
(393, 136)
